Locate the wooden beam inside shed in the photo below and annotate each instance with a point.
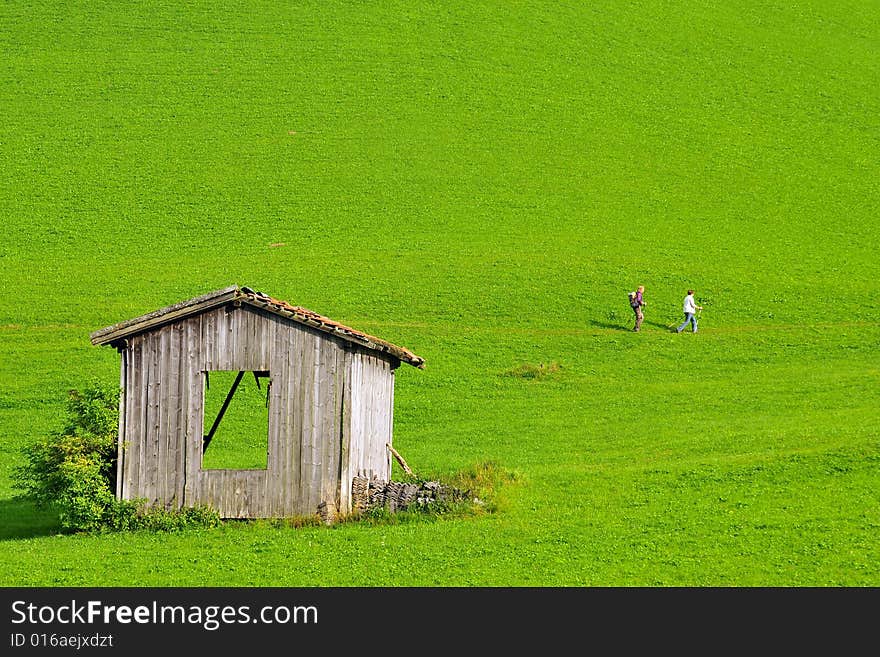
(206, 440)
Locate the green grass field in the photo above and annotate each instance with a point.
(482, 183)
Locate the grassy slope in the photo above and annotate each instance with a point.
(482, 186)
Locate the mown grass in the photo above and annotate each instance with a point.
(482, 185)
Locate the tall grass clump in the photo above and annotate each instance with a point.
(532, 371)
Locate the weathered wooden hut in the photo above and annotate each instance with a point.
(330, 397)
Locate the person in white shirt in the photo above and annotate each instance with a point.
(690, 308)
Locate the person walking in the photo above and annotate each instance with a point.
(690, 308)
(637, 302)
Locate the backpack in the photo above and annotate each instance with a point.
(633, 300)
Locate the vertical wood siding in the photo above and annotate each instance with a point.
(330, 408)
(370, 423)
(120, 451)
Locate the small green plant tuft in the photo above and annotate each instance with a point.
(485, 481)
(290, 522)
(531, 371)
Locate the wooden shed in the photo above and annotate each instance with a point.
(329, 394)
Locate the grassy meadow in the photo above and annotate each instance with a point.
(482, 183)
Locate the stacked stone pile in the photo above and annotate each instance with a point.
(369, 494)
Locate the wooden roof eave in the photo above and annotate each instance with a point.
(117, 332)
(394, 351)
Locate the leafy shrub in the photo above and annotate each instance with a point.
(74, 471)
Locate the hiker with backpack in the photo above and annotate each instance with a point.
(637, 302)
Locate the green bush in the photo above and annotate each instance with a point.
(73, 470)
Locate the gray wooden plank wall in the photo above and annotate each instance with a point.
(330, 414)
(372, 384)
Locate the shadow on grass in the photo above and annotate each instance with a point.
(665, 327)
(609, 325)
(628, 327)
(21, 519)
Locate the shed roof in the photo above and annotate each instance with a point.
(122, 330)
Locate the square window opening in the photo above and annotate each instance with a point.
(236, 420)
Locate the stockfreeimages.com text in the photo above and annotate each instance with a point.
(211, 617)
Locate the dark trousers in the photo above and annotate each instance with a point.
(639, 317)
